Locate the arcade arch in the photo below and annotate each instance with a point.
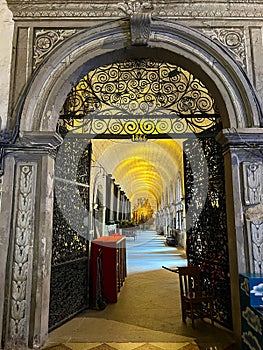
(48, 88)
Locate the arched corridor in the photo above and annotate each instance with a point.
(147, 315)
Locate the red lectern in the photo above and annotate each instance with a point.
(112, 253)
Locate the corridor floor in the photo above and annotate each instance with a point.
(147, 315)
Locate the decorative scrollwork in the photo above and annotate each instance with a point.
(166, 125)
(46, 40)
(69, 270)
(207, 241)
(152, 94)
(232, 38)
(71, 202)
(69, 290)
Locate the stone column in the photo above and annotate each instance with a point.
(26, 224)
(243, 157)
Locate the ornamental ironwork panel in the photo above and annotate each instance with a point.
(139, 96)
(69, 290)
(207, 243)
(70, 265)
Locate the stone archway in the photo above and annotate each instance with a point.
(31, 167)
(91, 48)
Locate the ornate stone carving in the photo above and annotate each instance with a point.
(115, 9)
(140, 28)
(22, 259)
(253, 195)
(232, 38)
(253, 182)
(256, 231)
(46, 40)
(132, 7)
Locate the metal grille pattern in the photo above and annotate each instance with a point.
(72, 187)
(139, 97)
(69, 269)
(69, 290)
(207, 244)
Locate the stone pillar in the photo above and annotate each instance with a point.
(243, 157)
(6, 203)
(26, 231)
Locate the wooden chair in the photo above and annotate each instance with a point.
(193, 302)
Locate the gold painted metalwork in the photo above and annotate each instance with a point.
(139, 97)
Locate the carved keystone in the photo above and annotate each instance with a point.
(140, 26)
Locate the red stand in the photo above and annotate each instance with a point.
(114, 272)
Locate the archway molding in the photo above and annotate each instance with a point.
(44, 97)
(236, 99)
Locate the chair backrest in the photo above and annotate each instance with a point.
(190, 281)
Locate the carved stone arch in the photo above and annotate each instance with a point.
(235, 96)
(211, 63)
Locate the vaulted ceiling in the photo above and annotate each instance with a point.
(142, 169)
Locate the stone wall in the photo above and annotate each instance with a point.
(6, 30)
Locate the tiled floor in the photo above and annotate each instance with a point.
(147, 315)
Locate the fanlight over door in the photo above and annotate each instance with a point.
(139, 97)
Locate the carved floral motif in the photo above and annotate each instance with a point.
(241, 9)
(231, 38)
(253, 180)
(253, 194)
(256, 229)
(132, 7)
(22, 261)
(46, 40)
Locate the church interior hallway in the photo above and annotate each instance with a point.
(147, 315)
